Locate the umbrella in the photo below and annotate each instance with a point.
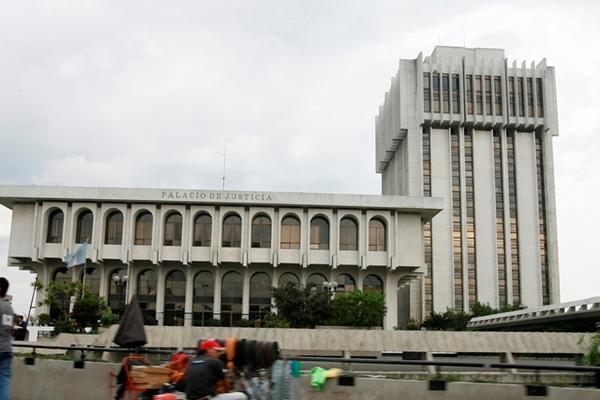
(131, 332)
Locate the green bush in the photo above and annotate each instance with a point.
(275, 321)
(592, 355)
(61, 326)
(358, 309)
(212, 322)
(451, 320)
(88, 309)
(303, 308)
(412, 325)
(43, 319)
(109, 319)
(244, 323)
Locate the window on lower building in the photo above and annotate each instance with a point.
(232, 231)
(290, 233)
(143, 229)
(377, 235)
(348, 234)
(114, 228)
(203, 230)
(261, 232)
(55, 226)
(319, 234)
(173, 227)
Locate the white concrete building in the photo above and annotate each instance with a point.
(470, 127)
(462, 135)
(193, 255)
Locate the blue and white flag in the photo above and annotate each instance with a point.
(78, 257)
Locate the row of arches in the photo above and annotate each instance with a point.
(203, 293)
(231, 233)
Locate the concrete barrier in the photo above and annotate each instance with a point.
(58, 380)
(311, 341)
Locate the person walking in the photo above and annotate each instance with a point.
(6, 328)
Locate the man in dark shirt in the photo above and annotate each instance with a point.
(205, 371)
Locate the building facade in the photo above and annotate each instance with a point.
(191, 256)
(470, 127)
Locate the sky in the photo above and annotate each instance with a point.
(148, 93)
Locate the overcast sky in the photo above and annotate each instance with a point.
(146, 93)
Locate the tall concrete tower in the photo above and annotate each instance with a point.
(470, 127)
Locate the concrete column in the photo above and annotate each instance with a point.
(360, 278)
(160, 296)
(391, 300)
(43, 275)
(217, 295)
(527, 211)
(506, 201)
(104, 284)
(551, 230)
(245, 293)
(189, 296)
(463, 213)
(131, 282)
(441, 225)
(303, 277)
(485, 217)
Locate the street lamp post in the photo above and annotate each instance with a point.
(330, 288)
(121, 283)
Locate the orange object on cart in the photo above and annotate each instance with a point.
(165, 396)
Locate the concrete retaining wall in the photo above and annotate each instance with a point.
(51, 379)
(354, 340)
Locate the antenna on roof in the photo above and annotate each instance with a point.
(224, 162)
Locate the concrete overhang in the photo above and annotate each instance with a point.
(427, 207)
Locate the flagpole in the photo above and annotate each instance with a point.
(84, 268)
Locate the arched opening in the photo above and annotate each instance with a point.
(290, 233)
(319, 234)
(146, 293)
(59, 310)
(377, 235)
(85, 225)
(204, 292)
(143, 229)
(289, 278)
(114, 228)
(202, 230)
(174, 313)
(232, 231)
(172, 231)
(55, 226)
(346, 283)
(260, 296)
(372, 283)
(117, 291)
(316, 281)
(231, 298)
(348, 234)
(261, 232)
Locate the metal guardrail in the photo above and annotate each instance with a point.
(569, 309)
(142, 350)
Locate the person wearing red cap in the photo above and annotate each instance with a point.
(205, 371)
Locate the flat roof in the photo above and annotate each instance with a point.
(427, 207)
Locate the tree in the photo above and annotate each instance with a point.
(358, 309)
(592, 355)
(451, 320)
(88, 310)
(302, 308)
(58, 295)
